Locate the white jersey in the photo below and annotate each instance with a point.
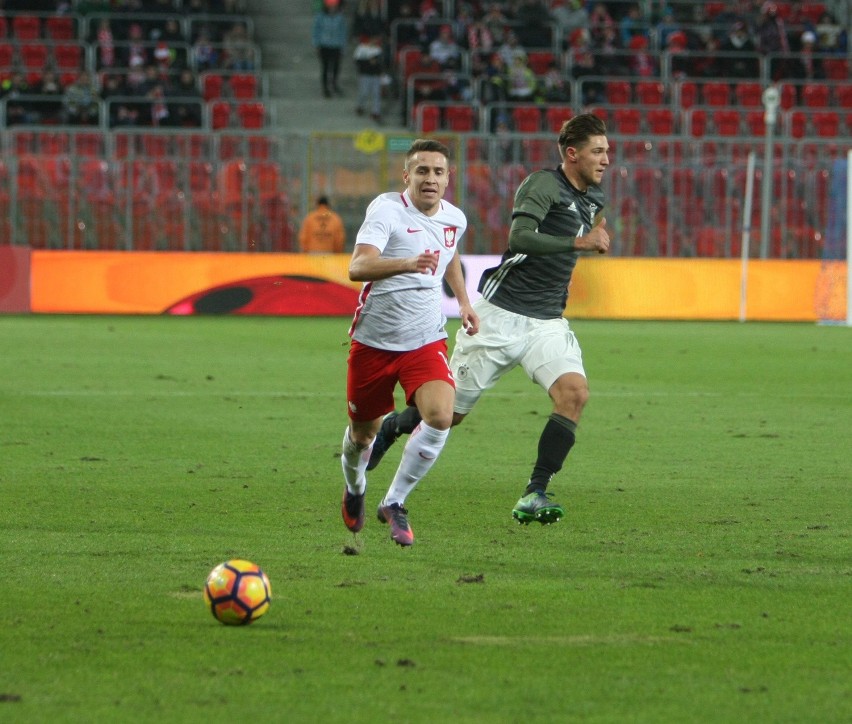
(403, 312)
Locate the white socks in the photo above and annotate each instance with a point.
(354, 462)
(419, 455)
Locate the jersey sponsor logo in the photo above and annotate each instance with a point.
(450, 236)
(413, 231)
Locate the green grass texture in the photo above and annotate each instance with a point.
(702, 573)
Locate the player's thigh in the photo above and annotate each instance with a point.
(429, 363)
(552, 351)
(370, 381)
(480, 360)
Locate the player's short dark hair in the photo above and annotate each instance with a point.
(426, 144)
(578, 130)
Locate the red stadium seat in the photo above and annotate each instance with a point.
(726, 122)
(843, 95)
(60, 27)
(618, 92)
(51, 143)
(650, 93)
(826, 124)
(220, 115)
(428, 117)
(26, 27)
(687, 93)
(798, 124)
(715, 93)
(244, 85)
(7, 55)
(555, 116)
(461, 119)
(816, 95)
(697, 122)
(756, 122)
(156, 145)
(836, 69)
(627, 120)
(789, 97)
(661, 121)
(749, 94)
(251, 115)
(34, 56)
(526, 119)
(211, 86)
(539, 61)
(68, 57)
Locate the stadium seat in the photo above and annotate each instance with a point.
(756, 122)
(627, 120)
(826, 124)
(211, 86)
(749, 94)
(716, 93)
(427, 117)
(60, 27)
(26, 27)
(88, 144)
(526, 119)
(712, 9)
(244, 85)
(618, 92)
(843, 95)
(798, 124)
(687, 93)
(697, 122)
(539, 60)
(7, 55)
(726, 122)
(650, 93)
(51, 143)
(68, 57)
(816, 95)
(836, 69)
(789, 96)
(220, 115)
(156, 145)
(813, 11)
(251, 115)
(33, 56)
(555, 116)
(661, 121)
(460, 119)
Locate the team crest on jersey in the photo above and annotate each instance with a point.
(450, 236)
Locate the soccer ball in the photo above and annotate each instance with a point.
(237, 592)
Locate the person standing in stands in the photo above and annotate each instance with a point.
(322, 230)
(329, 38)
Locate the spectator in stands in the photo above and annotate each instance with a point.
(105, 45)
(632, 25)
(745, 64)
(329, 38)
(478, 39)
(81, 103)
(407, 31)
(49, 88)
(523, 84)
(599, 21)
(186, 112)
(426, 26)
(772, 39)
(609, 60)
(668, 24)
(135, 53)
(445, 51)
(17, 110)
(322, 230)
(678, 51)
(642, 63)
(369, 65)
(569, 15)
(554, 86)
(121, 112)
(238, 49)
(831, 36)
(494, 86)
(582, 63)
(497, 23)
(204, 53)
(511, 49)
(806, 66)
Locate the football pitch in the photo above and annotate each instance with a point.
(703, 571)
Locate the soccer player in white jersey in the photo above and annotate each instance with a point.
(406, 246)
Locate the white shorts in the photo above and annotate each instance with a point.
(545, 348)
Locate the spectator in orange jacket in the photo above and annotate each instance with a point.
(322, 230)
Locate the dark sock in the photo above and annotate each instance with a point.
(407, 420)
(555, 443)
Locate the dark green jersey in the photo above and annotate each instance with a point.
(537, 286)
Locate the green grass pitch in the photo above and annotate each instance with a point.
(703, 571)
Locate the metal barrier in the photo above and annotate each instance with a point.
(247, 191)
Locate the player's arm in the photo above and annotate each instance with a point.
(368, 265)
(454, 277)
(524, 238)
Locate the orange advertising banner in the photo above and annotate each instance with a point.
(104, 282)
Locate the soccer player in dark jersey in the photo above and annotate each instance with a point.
(557, 215)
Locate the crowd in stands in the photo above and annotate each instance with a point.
(551, 51)
(124, 63)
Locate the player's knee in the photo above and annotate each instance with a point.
(439, 419)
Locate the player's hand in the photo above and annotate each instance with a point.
(425, 263)
(469, 320)
(597, 239)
